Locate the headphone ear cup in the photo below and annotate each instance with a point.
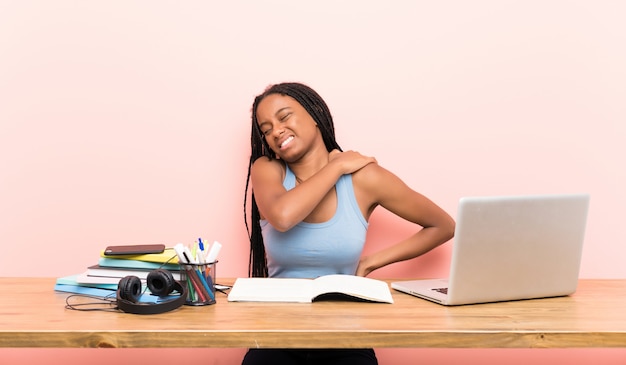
(161, 282)
(129, 288)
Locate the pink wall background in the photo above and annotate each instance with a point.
(127, 122)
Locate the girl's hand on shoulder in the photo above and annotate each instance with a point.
(350, 161)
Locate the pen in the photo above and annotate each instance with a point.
(213, 252)
(206, 287)
(206, 278)
(198, 286)
(202, 254)
(180, 252)
(182, 259)
(201, 244)
(202, 286)
(184, 256)
(192, 292)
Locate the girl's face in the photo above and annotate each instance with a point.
(288, 128)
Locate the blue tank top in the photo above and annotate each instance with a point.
(309, 250)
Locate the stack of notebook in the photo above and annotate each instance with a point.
(102, 278)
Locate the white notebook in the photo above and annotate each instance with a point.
(329, 287)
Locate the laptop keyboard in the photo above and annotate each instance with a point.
(441, 290)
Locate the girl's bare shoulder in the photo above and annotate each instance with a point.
(266, 167)
(373, 174)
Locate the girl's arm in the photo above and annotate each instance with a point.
(376, 186)
(284, 209)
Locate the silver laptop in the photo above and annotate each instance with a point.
(510, 248)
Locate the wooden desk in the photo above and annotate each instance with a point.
(33, 315)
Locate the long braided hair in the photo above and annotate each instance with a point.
(313, 103)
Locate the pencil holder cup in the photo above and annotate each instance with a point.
(200, 282)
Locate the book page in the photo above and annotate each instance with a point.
(271, 290)
(357, 286)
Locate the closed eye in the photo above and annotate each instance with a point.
(285, 117)
(265, 128)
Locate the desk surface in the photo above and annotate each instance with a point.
(33, 315)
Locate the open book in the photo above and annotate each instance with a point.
(347, 287)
